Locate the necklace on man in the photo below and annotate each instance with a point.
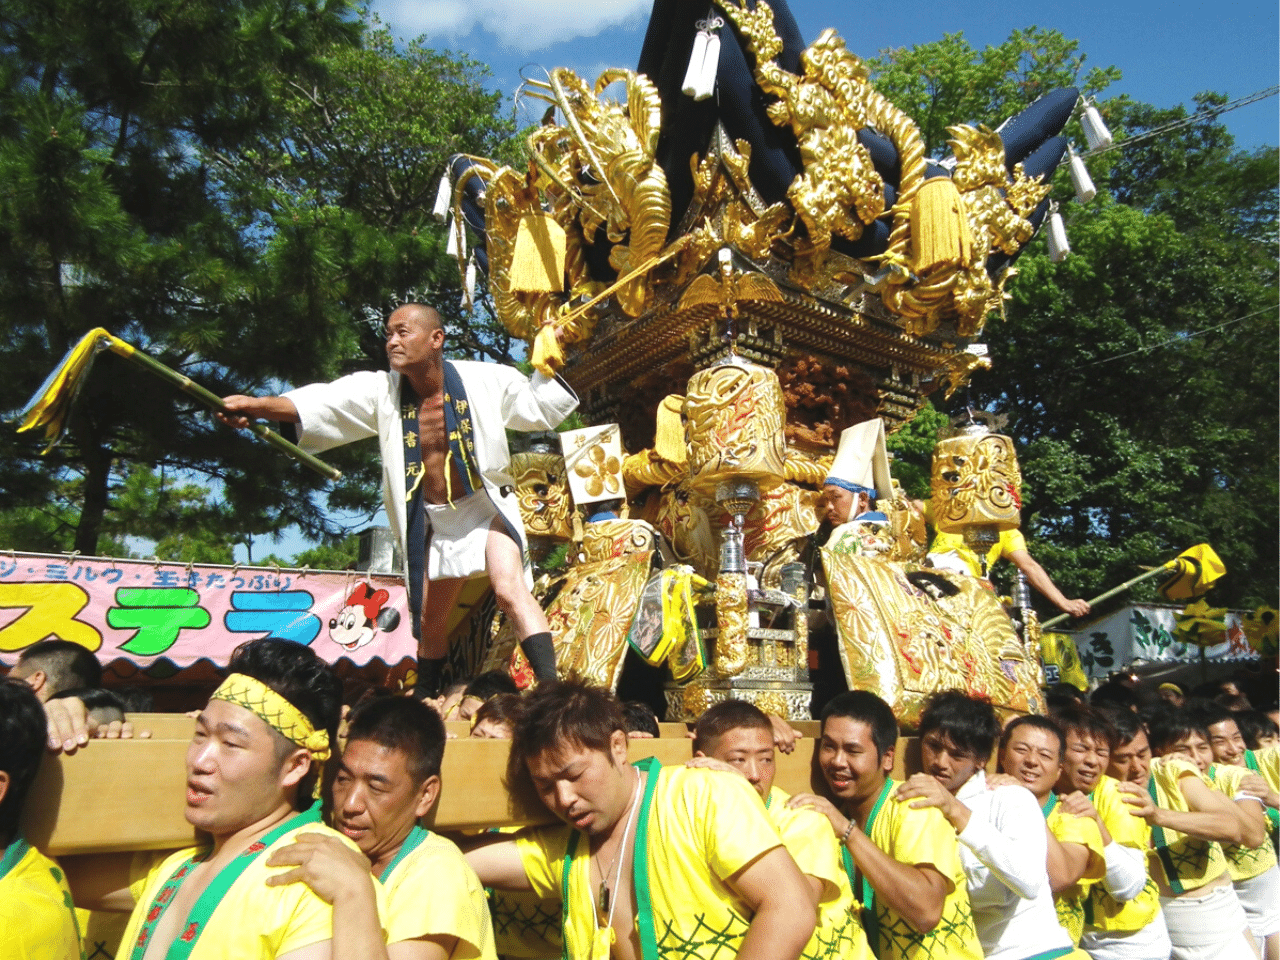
(606, 899)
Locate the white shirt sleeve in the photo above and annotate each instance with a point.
(538, 402)
(1011, 842)
(1126, 871)
(331, 414)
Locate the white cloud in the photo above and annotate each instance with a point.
(522, 25)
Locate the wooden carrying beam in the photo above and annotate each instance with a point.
(118, 795)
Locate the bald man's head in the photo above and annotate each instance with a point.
(421, 313)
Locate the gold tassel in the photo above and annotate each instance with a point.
(547, 355)
(668, 437)
(537, 265)
(940, 234)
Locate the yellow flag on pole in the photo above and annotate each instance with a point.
(1195, 570)
(1260, 628)
(51, 406)
(1200, 624)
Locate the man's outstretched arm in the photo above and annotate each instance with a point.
(1041, 580)
(241, 409)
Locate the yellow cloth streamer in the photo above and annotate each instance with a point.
(277, 713)
(547, 355)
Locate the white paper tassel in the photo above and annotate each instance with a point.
(694, 70)
(1058, 246)
(710, 64)
(704, 59)
(469, 284)
(1095, 131)
(1080, 179)
(455, 246)
(444, 197)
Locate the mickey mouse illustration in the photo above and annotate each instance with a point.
(356, 623)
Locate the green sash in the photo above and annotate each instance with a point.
(639, 870)
(13, 854)
(861, 889)
(411, 843)
(1049, 805)
(208, 902)
(1273, 815)
(1161, 844)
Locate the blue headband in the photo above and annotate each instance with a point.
(851, 487)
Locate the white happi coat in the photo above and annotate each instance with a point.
(367, 404)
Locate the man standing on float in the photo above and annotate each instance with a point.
(446, 475)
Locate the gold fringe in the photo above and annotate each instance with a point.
(537, 264)
(940, 234)
(668, 437)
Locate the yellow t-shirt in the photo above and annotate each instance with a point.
(807, 837)
(431, 892)
(1243, 863)
(1010, 540)
(1268, 761)
(37, 920)
(1102, 911)
(101, 931)
(1191, 861)
(696, 829)
(525, 926)
(921, 838)
(252, 921)
(1084, 831)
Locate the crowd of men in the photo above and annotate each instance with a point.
(1102, 832)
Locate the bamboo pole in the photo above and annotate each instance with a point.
(1063, 617)
(214, 402)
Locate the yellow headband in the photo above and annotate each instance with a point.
(276, 712)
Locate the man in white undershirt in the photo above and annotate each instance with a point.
(1001, 830)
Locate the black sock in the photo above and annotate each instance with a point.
(541, 654)
(428, 685)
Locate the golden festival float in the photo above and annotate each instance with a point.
(721, 345)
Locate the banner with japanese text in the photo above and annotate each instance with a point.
(144, 611)
(1147, 632)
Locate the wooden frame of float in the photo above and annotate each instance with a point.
(122, 795)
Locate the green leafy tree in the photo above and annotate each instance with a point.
(108, 217)
(234, 188)
(946, 82)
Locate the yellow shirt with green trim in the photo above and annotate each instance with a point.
(37, 919)
(1243, 863)
(101, 931)
(703, 827)
(1194, 861)
(432, 892)
(525, 926)
(1070, 903)
(1010, 540)
(924, 838)
(1268, 761)
(253, 921)
(807, 837)
(1102, 911)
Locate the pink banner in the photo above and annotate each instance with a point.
(148, 611)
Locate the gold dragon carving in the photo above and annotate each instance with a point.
(839, 191)
(596, 170)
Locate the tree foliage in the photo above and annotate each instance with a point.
(233, 187)
(1139, 374)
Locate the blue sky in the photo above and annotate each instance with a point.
(1168, 51)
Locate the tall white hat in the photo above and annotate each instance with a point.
(862, 461)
